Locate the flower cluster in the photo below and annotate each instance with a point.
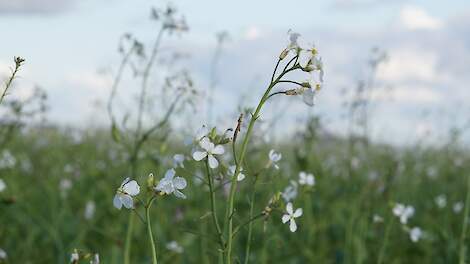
(404, 213)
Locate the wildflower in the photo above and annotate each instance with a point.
(274, 157)
(415, 234)
(96, 259)
(306, 178)
(458, 206)
(290, 192)
(74, 257)
(293, 37)
(175, 247)
(440, 201)
(124, 194)
(240, 176)
(64, 186)
(3, 254)
(377, 219)
(403, 212)
(7, 160)
(90, 208)
(209, 151)
(178, 160)
(171, 184)
(290, 216)
(3, 185)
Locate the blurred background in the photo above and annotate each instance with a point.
(419, 92)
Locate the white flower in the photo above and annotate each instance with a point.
(290, 192)
(209, 151)
(90, 208)
(178, 160)
(240, 176)
(377, 218)
(458, 206)
(3, 254)
(171, 184)
(7, 160)
(96, 259)
(306, 179)
(415, 234)
(290, 216)
(175, 247)
(74, 257)
(441, 201)
(3, 185)
(64, 186)
(124, 194)
(293, 37)
(308, 96)
(403, 212)
(274, 157)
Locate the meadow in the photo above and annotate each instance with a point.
(142, 190)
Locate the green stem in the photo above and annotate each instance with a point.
(250, 225)
(213, 205)
(18, 62)
(462, 251)
(149, 230)
(128, 243)
(385, 242)
(230, 209)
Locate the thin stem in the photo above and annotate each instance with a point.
(238, 228)
(385, 242)
(230, 209)
(18, 62)
(463, 249)
(149, 230)
(250, 225)
(138, 214)
(128, 243)
(277, 93)
(213, 205)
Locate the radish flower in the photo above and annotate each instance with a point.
(240, 176)
(209, 150)
(290, 216)
(403, 212)
(274, 157)
(306, 178)
(124, 194)
(171, 184)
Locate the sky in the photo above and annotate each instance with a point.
(421, 89)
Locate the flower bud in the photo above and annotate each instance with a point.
(283, 54)
(306, 85)
(150, 180)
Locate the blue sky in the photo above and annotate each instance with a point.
(68, 42)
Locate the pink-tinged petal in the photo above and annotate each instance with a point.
(218, 150)
(285, 218)
(298, 212)
(206, 144)
(199, 155)
(289, 208)
(213, 163)
(179, 182)
(117, 202)
(132, 188)
(293, 225)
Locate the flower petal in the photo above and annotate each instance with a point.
(169, 174)
(179, 194)
(285, 218)
(240, 176)
(289, 208)
(132, 188)
(127, 201)
(309, 97)
(213, 163)
(199, 155)
(293, 225)
(206, 144)
(179, 183)
(117, 202)
(298, 212)
(218, 150)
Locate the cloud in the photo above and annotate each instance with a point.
(34, 6)
(414, 94)
(415, 18)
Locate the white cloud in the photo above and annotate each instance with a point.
(415, 18)
(408, 63)
(407, 94)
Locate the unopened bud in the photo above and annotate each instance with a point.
(284, 54)
(306, 85)
(150, 180)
